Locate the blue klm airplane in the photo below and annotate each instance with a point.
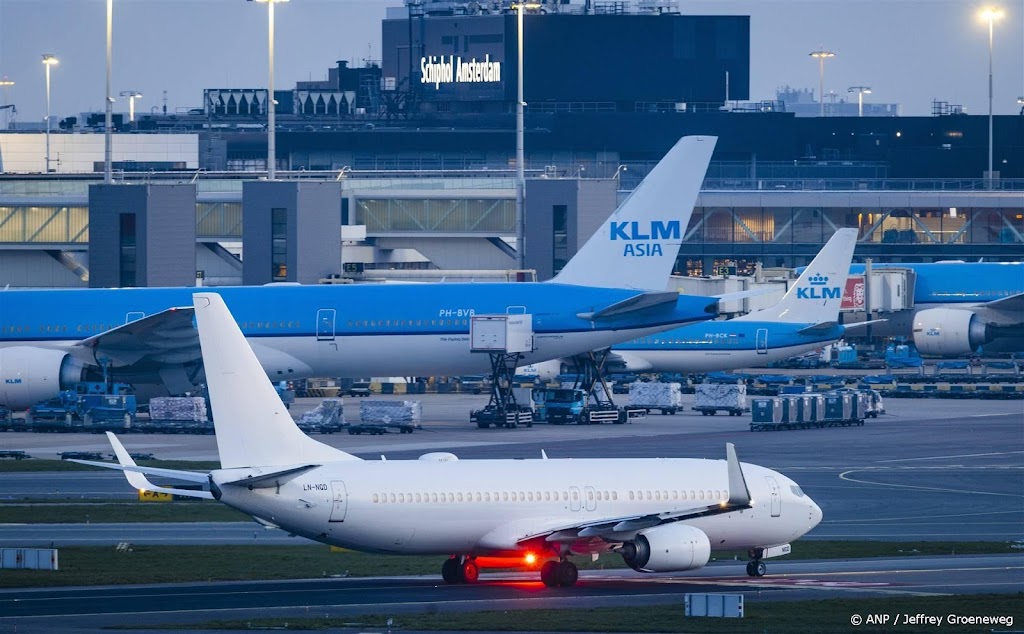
(806, 318)
(612, 290)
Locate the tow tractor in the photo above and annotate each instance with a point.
(504, 338)
(590, 400)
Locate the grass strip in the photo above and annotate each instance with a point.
(93, 565)
(791, 617)
(38, 465)
(97, 513)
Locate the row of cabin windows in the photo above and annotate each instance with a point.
(401, 323)
(544, 496)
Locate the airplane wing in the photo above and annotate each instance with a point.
(1013, 303)
(167, 337)
(596, 535)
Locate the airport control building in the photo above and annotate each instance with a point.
(408, 162)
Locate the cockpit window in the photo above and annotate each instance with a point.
(797, 491)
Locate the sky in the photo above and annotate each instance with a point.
(908, 51)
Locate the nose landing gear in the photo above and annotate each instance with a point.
(756, 568)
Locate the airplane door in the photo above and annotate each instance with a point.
(574, 498)
(325, 324)
(339, 501)
(135, 315)
(762, 341)
(773, 488)
(591, 500)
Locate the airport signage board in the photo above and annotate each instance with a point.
(453, 69)
(853, 294)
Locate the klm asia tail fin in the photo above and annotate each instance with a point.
(637, 247)
(254, 429)
(818, 293)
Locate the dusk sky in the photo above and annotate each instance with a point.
(908, 51)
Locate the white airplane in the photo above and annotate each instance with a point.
(660, 515)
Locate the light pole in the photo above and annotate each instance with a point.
(5, 84)
(991, 14)
(861, 91)
(271, 103)
(132, 96)
(822, 55)
(48, 61)
(520, 168)
(108, 117)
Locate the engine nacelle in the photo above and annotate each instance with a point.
(949, 332)
(543, 370)
(667, 548)
(30, 375)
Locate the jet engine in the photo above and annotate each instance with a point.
(949, 332)
(543, 370)
(667, 548)
(30, 375)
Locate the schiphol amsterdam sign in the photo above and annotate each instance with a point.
(449, 69)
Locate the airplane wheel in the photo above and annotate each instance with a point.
(756, 568)
(567, 574)
(549, 573)
(450, 571)
(470, 572)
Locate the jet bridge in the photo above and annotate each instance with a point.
(504, 338)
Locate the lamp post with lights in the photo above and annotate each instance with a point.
(990, 14)
(48, 61)
(271, 103)
(5, 84)
(520, 168)
(132, 96)
(821, 56)
(861, 91)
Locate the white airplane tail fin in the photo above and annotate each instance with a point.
(254, 429)
(637, 246)
(818, 293)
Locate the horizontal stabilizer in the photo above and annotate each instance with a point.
(140, 482)
(271, 480)
(643, 301)
(818, 328)
(861, 324)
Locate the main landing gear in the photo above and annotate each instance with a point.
(460, 570)
(553, 573)
(559, 573)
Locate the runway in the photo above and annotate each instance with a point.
(34, 610)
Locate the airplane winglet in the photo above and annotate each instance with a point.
(739, 494)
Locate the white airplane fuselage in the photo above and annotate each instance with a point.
(485, 507)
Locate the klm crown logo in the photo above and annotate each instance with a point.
(819, 289)
(640, 239)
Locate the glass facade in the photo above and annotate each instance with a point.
(814, 225)
(128, 256)
(444, 215)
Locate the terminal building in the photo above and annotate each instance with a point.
(409, 161)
